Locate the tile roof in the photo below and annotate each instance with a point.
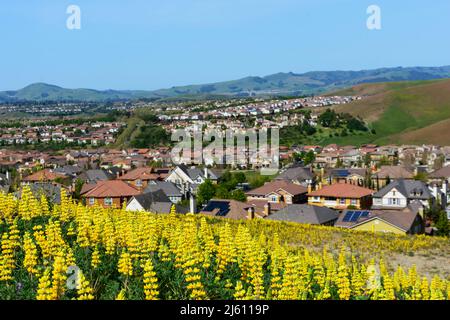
(140, 173)
(342, 190)
(441, 173)
(303, 213)
(274, 186)
(231, 209)
(43, 175)
(394, 172)
(113, 189)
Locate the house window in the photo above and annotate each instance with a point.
(91, 201)
(108, 201)
(139, 183)
(354, 202)
(273, 198)
(342, 201)
(316, 199)
(394, 201)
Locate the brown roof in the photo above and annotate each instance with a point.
(441, 173)
(43, 175)
(394, 172)
(113, 189)
(403, 219)
(276, 185)
(140, 173)
(233, 209)
(342, 190)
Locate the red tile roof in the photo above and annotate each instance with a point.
(342, 190)
(43, 175)
(112, 189)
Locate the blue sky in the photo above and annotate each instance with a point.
(152, 44)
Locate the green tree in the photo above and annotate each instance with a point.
(205, 192)
(238, 195)
(443, 225)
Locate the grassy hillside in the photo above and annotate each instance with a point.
(405, 112)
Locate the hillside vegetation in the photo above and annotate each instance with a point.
(139, 255)
(401, 113)
(272, 85)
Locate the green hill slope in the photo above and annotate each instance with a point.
(402, 113)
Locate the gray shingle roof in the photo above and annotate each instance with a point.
(157, 202)
(411, 189)
(303, 213)
(167, 187)
(296, 173)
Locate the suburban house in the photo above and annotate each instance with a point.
(110, 194)
(400, 193)
(352, 175)
(406, 221)
(156, 202)
(231, 209)
(140, 177)
(43, 176)
(341, 196)
(187, 179)
(279, 191)
(298, 175)
(169, 189)
(303, 213)
(387, 174)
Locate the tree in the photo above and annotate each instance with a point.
(238, 195)
(309, 158)
(443, 225)
(78, 186)
(205, 192)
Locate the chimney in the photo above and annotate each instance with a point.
(192, 204)
(206, 173)
(250, 213)
(320, 186)
(309, 188)
(7, 176)
(267, 209)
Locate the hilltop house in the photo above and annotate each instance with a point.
(298, 175)
(231, 209)
(386, 174)
(110, 194)
(156, 202)
(169, 189)
(188, 179)
(400, 193)
(341, 196)
(406, 221)
(279, 191)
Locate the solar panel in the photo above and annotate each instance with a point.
(365, 214)
(347, 216)
(355, 216)
(223, 207)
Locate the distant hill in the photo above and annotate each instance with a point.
(278, 84)
(401, 113)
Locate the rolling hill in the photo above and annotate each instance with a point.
(272, 85)
(402, 113)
